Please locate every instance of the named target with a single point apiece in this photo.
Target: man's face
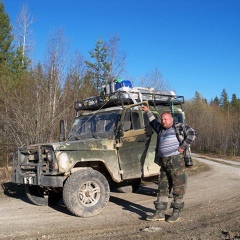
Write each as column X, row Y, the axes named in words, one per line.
column 167, row 120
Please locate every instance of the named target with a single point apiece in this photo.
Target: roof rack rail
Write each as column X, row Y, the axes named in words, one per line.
column 128, row 96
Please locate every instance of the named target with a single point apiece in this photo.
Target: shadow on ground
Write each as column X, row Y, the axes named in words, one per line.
column 13, row 190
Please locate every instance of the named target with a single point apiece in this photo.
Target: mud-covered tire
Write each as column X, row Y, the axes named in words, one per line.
column 41, row 196
column 86, row 193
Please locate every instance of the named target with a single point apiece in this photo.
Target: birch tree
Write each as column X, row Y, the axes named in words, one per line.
column 155, row 80
column 24, row 31
column 52, row 80
column 116, row 58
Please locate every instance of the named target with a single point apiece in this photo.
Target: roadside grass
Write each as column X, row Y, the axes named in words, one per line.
column 198, row 167
column 217, row 156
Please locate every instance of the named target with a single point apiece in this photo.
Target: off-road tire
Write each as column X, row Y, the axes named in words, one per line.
column 86, row 192
column 41, row 196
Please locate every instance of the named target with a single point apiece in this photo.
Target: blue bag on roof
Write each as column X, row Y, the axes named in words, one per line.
column 123, row 83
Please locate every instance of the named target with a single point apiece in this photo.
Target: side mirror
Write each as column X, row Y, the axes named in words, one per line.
column 62, row 131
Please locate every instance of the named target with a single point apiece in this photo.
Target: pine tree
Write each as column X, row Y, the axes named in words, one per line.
column 235, row 102
column 99, row 70
column 215, row 102
column 198, row 98
column 224, row 102
column 20, row 62
column 6, row 37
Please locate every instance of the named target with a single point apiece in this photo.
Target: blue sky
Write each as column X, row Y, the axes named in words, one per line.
column 195, row 44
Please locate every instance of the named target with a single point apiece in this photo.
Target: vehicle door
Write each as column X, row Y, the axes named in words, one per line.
column 135, row 145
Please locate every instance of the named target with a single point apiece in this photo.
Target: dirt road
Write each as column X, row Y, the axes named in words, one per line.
column 212, row 211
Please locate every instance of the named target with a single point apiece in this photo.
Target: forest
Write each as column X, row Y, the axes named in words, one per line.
column 35, row 96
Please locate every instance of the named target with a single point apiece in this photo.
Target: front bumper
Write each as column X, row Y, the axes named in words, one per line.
column 46, row 181
column 32, row 166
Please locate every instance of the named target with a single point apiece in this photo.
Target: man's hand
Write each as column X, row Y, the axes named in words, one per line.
column 145, row 108
column 180, row 150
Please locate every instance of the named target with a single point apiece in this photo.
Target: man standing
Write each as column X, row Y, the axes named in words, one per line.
column 173, row 145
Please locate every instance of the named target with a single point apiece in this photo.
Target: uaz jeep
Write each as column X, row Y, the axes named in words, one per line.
column 111, row 144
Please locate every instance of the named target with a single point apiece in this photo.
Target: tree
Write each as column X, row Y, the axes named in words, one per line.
column 50, row 82
column 235, row 102
column 99, row 70
column 77, row 87
column 224, row 102
column 20, row 62
column 198, row 97
column 24, row 30
column 215, row 102
column 6, row 37
column 116, row 58
column 155, row 80
column 23, row 34
column 6, row 56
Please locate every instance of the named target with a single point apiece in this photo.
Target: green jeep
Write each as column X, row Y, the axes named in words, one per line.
column 108, row 147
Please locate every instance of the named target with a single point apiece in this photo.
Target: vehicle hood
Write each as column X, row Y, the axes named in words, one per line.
column 90, row 144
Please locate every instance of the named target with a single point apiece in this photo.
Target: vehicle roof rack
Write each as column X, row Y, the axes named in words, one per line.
column 127, row 96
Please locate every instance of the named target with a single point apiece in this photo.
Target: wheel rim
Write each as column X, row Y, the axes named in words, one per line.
column 89, row 193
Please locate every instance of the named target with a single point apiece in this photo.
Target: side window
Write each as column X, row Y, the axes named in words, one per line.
column 133, row 120
column 111, row 122
column 85, row 129
column 136, row 120
column 100, row 125
column 145, row 118
column 127, row 121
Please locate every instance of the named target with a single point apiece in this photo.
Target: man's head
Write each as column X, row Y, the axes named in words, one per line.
column 167, row 119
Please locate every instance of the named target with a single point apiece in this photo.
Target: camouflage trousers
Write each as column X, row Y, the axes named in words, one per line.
column 173, row 177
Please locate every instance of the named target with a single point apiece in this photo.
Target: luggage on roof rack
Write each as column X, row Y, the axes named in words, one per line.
column 90, row 103
column 126, row 96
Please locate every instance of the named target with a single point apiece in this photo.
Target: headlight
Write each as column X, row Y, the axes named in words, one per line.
column 64, row 162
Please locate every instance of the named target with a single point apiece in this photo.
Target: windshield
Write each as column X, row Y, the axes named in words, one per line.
column 100, row 125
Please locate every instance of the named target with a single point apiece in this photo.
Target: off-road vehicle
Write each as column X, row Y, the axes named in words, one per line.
column 110, row 145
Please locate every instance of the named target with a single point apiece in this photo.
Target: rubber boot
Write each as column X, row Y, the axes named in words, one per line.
column 177, row 207
column 159, row 213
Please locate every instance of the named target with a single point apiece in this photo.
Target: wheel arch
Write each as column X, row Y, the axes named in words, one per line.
column 100, row 166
